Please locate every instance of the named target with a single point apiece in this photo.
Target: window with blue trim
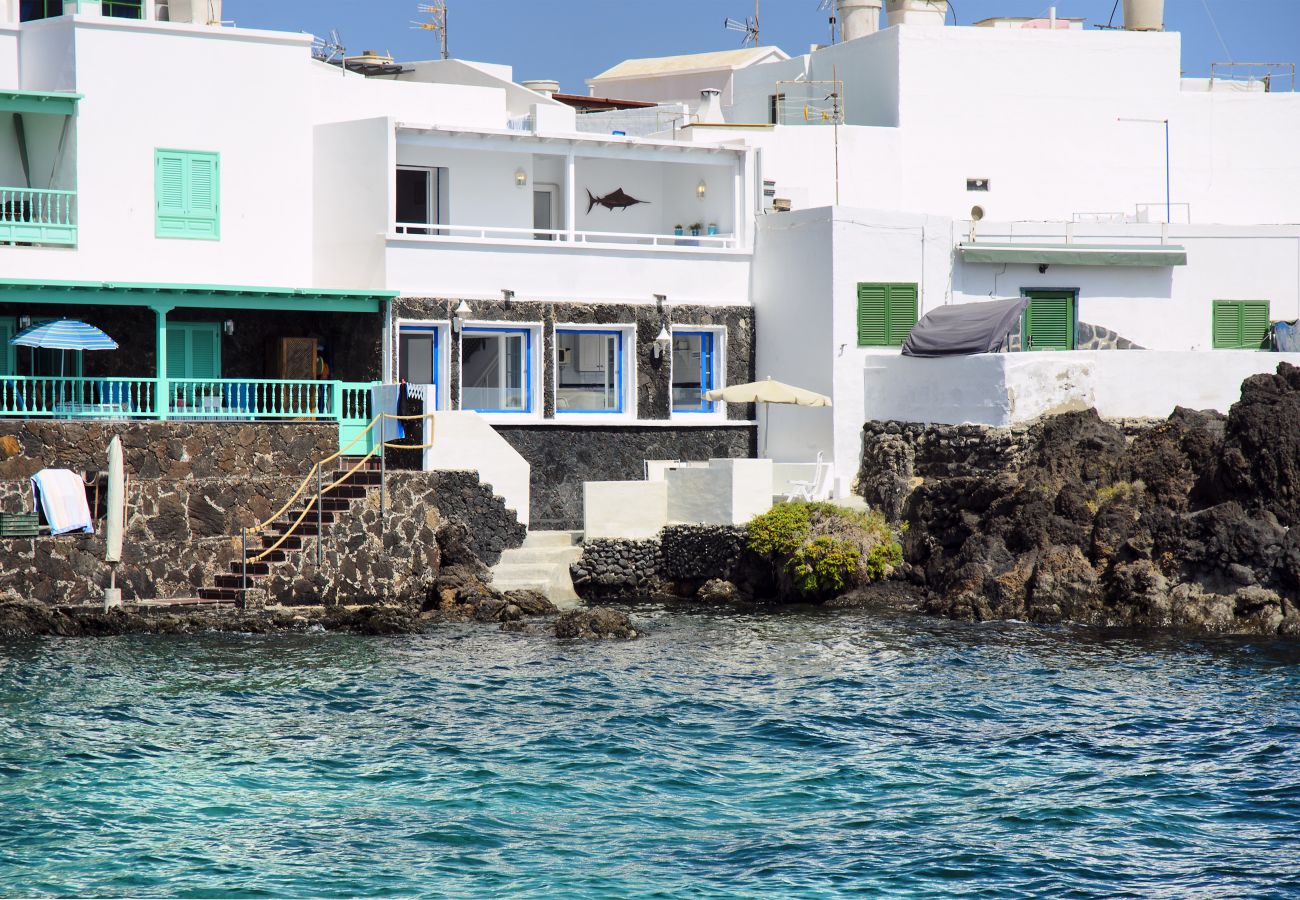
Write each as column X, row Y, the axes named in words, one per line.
column 419, row 355
column 694, row 371
column 496, row 370
column 588, row 371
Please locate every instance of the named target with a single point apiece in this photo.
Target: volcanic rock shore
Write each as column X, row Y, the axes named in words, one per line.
column 1185, row 523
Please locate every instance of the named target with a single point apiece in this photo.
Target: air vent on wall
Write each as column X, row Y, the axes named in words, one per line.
column 977, row 184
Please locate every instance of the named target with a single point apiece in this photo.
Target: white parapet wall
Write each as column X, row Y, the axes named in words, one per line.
column 462, row 440
column 1008, row 389
column 624, row 510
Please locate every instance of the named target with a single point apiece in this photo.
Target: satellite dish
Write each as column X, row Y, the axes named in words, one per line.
column 976, row 213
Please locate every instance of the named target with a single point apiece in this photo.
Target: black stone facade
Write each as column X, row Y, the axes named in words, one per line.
column 653, row 386
column 564, row 457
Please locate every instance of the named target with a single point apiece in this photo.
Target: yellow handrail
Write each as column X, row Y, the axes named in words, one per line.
column 316, row 468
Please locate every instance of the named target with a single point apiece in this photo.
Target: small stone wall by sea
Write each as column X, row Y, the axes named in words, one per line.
column 682, row 558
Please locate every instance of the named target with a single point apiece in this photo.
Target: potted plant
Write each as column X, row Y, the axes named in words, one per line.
column 695, row 229
column 713, row 228
column 677, row 230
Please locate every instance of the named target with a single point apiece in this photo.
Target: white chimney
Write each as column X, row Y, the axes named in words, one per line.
column 858, row 18
column 710, row 107
column 1144, row 15
column 916, row 12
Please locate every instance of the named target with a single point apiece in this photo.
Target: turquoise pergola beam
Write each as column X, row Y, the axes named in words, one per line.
column 53, row 103
column 192, row 296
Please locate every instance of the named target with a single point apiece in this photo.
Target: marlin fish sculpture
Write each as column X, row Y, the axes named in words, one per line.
column 618, row 199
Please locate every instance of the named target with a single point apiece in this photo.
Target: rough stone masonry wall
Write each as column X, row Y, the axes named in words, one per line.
column 677, row 562
column 192, row 486
column 563, row 458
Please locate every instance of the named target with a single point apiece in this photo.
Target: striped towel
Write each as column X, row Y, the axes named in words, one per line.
column 62, row 495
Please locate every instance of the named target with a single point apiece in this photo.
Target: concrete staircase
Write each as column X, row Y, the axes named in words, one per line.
column 541, row 564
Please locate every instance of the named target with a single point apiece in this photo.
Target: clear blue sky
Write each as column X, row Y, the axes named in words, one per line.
column 571, row 40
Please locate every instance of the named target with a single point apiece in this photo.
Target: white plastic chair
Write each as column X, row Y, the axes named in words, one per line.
column 814, row 489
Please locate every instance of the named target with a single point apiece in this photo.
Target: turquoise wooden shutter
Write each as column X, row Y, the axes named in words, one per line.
column 203, row 213
column 178, row 351
column 903, row 309
column 187, row 193
column 205, row 351
column 873, row 321
column 7, row 330
column 1049, row 322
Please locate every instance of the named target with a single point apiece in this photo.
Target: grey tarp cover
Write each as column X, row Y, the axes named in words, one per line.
column 965, row 328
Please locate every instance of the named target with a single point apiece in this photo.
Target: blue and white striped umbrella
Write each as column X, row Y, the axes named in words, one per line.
column 64, row 334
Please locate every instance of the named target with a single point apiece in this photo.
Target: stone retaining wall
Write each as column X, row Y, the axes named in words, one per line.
column 682, row 558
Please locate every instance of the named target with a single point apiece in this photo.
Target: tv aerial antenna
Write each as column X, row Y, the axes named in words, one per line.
column 328, row 50
column 436, row 10
column 829, row 5
column 748, row 27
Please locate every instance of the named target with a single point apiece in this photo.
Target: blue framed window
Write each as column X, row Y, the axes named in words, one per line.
column 694, row 371
column 588, row 371
column 419, row 356
column 496, row 370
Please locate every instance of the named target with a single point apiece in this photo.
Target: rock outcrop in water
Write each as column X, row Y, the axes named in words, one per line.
column 1186, row 523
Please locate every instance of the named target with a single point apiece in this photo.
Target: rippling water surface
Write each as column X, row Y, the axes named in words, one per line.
column 721, row 756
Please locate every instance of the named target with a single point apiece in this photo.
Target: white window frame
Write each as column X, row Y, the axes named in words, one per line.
column 443, row 362
column 628, row 374
column 533, row 360
column 719, row 413
column 437, row 201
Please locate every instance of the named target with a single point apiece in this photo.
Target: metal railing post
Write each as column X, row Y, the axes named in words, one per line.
column 243, row 559
column 383, row 470
column 320, row 524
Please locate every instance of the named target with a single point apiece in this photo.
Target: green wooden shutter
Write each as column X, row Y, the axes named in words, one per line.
column 886, row 313
column 187, row 194
column 178, row 351
column 903, row 309
column 873, row 322
column 1049, row 322
column 1239, row 324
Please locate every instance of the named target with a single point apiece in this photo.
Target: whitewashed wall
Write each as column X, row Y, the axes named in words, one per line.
column 1011, row 389
column 351, row 178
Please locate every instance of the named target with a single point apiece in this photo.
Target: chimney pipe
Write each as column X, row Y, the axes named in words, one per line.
column 710, row 112
column 858, row 18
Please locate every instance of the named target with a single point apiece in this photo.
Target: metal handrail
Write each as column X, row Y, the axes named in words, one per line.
column 406, row 230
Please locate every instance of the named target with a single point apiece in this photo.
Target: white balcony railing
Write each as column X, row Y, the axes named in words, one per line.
column 556, row 235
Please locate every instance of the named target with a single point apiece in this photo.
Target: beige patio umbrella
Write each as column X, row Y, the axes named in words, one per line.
column 115, row 520
column 767, row 392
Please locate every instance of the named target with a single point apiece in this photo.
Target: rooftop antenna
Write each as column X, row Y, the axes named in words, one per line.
column 437, row 21
column 749, row 27
column 328, row 50
column 825, row 5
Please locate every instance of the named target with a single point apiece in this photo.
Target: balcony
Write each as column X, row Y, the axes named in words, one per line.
column 31, row 216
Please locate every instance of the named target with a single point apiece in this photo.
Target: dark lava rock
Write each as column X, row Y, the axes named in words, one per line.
column 1186, row 523
column 532, row 603
column 715, row 590
column 599, row 623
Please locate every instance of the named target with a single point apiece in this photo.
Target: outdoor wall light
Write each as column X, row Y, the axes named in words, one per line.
column 521, row 178
column 228, row 327
column 507, row 294
column 458, row 317
column 663, row 341
column 701, row 189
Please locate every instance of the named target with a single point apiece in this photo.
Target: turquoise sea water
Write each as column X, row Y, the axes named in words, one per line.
column 724, row 755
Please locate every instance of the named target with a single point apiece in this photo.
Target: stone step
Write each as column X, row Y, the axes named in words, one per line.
column 537, row 539
column 552, row 579
column 526, row 555
column 219, row 595
column 293, row 542
column 235, row 582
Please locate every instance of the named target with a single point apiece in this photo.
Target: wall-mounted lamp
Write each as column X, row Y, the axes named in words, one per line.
column 459, row 316
column 702, row 189
column 24, row 322
column 507, row 294
column 663, row 342
column 660, row 300
column 228, row 327
column 521, row 178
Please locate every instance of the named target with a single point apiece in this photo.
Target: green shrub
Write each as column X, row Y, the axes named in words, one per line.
column 820, row 549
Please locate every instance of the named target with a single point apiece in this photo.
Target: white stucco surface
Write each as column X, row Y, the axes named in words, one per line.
column 624, row 510
column 1010, row 389
column 464, row 441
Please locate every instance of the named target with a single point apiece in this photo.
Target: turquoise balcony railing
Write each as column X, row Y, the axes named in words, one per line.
column 31, row 216
column 224, row 399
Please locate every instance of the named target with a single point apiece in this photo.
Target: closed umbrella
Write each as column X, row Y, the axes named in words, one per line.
column 115, row 520
column 768, row 391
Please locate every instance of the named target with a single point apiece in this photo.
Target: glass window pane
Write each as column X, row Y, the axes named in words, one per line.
column 589, row 375
column 693, row 371
column 494, row 372
column 413, row 199
column 416, row 357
